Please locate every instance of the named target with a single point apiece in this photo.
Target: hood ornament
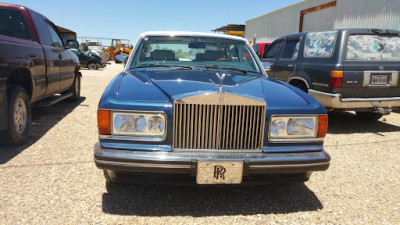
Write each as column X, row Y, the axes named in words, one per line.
column 221, row 77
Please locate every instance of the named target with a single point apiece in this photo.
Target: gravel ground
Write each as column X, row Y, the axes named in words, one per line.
column 53, row 179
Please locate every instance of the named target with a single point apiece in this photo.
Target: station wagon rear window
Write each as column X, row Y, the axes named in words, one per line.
column 373, row 47
column 320, row 44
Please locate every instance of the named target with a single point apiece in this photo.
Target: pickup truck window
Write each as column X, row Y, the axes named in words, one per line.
column 42, row 29
column 320, row 44
column 373, row 47
column 291, row 49
column 57, row 42
column 13, row 24
column 266, row 46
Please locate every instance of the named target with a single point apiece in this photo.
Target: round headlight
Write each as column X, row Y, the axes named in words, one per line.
column 155, row 124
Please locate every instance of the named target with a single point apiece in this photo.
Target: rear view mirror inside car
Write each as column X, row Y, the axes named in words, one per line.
column 197, row 45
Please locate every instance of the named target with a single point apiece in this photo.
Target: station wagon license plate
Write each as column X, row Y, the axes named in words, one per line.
column 379, row 79
column 219, row 172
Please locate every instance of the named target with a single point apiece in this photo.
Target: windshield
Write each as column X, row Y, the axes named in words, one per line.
column 194, row 51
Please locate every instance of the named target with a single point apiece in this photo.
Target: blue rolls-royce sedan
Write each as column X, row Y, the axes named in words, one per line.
column 198, row 108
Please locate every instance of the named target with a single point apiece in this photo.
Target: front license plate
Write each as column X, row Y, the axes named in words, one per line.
column 219, row 172
column 379, row 79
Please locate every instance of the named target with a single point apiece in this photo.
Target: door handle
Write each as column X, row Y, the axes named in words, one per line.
column 59, row 56
column 290, row 65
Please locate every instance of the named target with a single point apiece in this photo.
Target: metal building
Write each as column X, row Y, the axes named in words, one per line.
column 318, row 15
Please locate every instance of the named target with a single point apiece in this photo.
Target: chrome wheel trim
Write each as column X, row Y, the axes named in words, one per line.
column 20, row 116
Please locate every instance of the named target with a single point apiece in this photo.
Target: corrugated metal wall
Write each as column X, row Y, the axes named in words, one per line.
column 281, row 22
column 383, row 14
column 320, row 20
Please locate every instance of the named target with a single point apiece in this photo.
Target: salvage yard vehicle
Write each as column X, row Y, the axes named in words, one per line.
column 35, row 67
column 260, row 48
column 346, row 69
column 90, row 61
column 199, row 108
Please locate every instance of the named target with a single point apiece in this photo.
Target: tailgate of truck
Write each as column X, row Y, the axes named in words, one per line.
column 371, row 66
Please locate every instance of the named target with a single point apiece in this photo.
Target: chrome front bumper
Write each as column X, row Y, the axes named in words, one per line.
column 336, row 101
column 186, row 162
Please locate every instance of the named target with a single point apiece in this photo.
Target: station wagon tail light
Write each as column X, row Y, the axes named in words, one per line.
column 297, row 128
column 336, row 78
column 104, row 121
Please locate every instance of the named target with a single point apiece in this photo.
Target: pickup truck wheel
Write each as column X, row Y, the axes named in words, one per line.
column 76, row 88
column 369, row 116
column 92, row 66
column 19, row 116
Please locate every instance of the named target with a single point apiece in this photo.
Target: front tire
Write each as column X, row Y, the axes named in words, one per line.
column 76, row 87
column 93, row 66
column 19, row 116
column 369, row 116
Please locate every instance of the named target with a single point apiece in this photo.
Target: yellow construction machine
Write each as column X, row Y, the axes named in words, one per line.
column 118, row 48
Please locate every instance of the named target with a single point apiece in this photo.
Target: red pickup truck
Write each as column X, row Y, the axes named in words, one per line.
column 260, row 48
column 35, row 67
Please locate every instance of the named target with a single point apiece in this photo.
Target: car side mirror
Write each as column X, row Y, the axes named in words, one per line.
column 267, row 66
column 72, row 44
column 125, row 61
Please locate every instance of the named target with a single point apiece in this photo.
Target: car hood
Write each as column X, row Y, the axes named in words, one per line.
column 166, row 85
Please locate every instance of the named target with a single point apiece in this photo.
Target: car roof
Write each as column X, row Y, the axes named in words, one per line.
column 10, row 6
column 189, row 33
column 361, row 30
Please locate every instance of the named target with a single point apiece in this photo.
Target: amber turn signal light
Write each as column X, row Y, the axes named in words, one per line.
column 322, row 126
column 104, row 121
column 336, row 78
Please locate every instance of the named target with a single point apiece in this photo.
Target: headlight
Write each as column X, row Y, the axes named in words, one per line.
column 137, row 124
column 297, row 128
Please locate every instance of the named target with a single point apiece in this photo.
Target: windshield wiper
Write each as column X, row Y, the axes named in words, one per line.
column 211, row 66
column 161, row 65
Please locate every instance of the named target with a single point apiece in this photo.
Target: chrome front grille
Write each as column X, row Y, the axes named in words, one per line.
column 219, row 122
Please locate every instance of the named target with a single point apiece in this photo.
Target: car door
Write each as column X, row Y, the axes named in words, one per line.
column 270, row 57
column 286, row 63
column 51, row 53
column 66, row 64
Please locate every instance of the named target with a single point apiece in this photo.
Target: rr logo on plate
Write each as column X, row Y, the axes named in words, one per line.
column 219, row 172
